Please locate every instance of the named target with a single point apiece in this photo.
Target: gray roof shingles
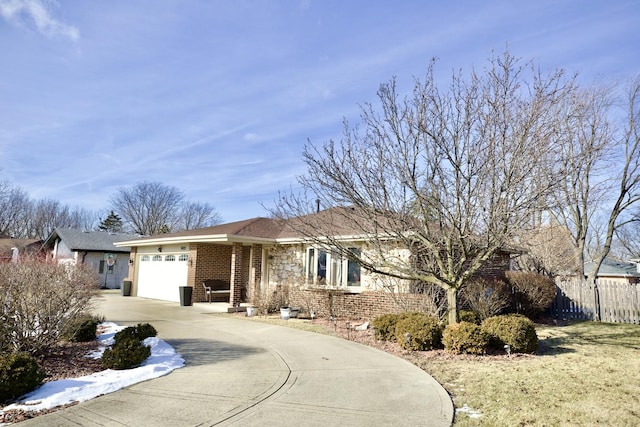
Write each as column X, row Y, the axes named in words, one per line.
column 95, row 241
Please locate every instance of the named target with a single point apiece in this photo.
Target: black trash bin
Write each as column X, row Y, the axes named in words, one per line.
column 185, row 295
column 126, row 288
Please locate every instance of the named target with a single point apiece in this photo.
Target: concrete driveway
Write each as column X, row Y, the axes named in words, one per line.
column 239, row 372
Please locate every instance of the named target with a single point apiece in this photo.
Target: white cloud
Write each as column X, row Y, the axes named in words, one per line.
column 17, row 11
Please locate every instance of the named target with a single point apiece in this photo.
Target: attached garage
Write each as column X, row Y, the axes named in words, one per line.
column 234, row 253
column 160, row 275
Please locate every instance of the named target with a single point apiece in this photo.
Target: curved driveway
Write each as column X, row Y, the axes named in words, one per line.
column 246, row 373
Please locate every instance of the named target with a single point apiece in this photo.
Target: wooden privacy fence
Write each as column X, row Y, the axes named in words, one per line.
column 611, row 301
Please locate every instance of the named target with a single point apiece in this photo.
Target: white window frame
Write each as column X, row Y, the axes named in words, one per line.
column 336, row 271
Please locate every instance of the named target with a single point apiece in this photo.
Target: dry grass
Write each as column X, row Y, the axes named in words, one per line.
column 585, row 374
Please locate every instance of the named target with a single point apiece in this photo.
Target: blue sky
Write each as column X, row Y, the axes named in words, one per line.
column 218, row 98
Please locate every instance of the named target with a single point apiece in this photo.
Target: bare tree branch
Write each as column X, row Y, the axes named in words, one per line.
column 450, row 174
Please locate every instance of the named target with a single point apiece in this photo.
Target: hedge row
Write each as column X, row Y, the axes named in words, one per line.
column 512, row 333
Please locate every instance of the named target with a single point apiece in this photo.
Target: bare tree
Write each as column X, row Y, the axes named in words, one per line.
column 148, row 207
column 602, row 159
column 84, row 219
column 628, row 238
column 585, row 136
column 198, row 215
column 451, row 174
column 549, row 250
column 14, row 202
column 46, row 214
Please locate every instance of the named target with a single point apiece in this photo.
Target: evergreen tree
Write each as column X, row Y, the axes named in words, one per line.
column 112, row 223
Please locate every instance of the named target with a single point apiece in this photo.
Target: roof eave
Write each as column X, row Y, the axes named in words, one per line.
column 213, row 238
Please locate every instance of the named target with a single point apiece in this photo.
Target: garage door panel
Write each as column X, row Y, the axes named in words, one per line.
column 161, row 279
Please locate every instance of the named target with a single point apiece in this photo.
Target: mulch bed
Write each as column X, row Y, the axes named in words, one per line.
column 67, row 360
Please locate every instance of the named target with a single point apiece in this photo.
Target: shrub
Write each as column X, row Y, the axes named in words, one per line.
column 385, row 326
column 19, row 374
column 39, row 298
column 127, row 352
column 469, row 316
column 418, row 331
column 145, row 330
column 139, row 332
column 533, row 292
column 81, row 329
column 486, row 297
column 514, row 330
column 465, row 338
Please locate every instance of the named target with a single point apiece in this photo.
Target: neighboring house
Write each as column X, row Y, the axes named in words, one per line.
column 12, row 249
column 92, row 248
column 259, row 256
column 614, row 270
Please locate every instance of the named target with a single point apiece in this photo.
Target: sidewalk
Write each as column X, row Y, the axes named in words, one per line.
column 248, row 373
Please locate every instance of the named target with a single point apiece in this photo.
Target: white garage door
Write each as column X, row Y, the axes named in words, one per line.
column 160, row 276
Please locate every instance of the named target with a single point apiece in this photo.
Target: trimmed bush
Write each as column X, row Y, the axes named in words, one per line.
column 469, row 316
column 145, row 330
column 385, row 325
column 140, row 332
column 533, row 293
column 82, row 329
column 126, row 353
column 514, row 330
column 418, row 331
column 486, row 297
column 465, row 338
column 19, row 374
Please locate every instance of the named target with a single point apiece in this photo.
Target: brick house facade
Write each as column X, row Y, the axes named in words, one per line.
column 259, row 261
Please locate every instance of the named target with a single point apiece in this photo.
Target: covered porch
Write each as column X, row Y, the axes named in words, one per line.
column 238, row 264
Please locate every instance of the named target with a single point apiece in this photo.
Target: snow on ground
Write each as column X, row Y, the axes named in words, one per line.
column 466, row 409
column 162, row 361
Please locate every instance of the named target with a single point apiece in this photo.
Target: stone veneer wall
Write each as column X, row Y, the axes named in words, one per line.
column 286, row 265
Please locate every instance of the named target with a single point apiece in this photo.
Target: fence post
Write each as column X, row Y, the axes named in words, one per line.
column 596, row 300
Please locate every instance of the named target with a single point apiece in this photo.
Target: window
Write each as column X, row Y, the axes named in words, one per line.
column 353, row 269
column 170, row 258
column 157, row 258
column 183, row 257
column 108, row 264
column 145, row 258
column 328, row 267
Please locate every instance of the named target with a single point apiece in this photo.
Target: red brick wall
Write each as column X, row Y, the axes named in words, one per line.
column 236, row 273
column 366, row 305
column 210, row 262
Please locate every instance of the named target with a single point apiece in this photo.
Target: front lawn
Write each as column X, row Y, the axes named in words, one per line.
column 585, row 374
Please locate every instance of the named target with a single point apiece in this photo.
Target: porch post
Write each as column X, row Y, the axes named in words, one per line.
column 256, row 270
column 236, row 275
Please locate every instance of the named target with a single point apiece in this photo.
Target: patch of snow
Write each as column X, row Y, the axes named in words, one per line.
column 471, row 413
column 162, row 361
column 363, row 327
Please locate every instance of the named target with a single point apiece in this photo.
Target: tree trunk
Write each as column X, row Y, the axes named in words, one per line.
column 452, row 305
